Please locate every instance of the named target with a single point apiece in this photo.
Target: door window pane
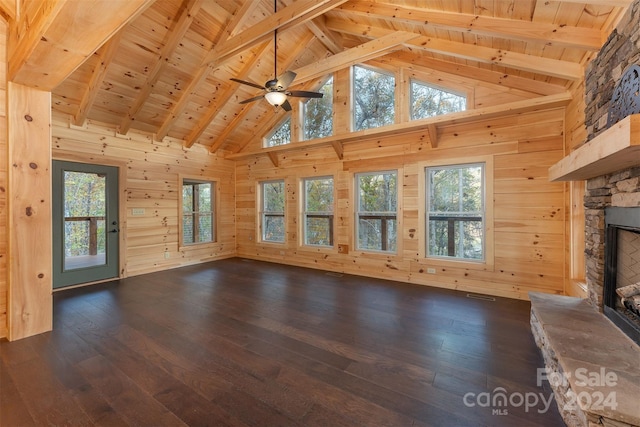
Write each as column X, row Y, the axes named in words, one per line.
column 377, row 200
column 84, row 220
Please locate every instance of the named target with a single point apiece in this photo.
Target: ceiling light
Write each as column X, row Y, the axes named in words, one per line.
column 276, row 98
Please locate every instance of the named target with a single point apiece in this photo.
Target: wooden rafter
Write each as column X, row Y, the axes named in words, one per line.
column 512, row 29
column 520, row 61
column 188, row 11
column 297, row 13
column 412, row 59
column 228, row 93
column 328, row 38
column 203, row 71
column 45, row 49
column 364, row 52
column 106, row 54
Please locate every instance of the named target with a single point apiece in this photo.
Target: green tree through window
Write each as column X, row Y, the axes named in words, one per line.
column 428, row 101
column 455, row 211
column 373, row 98
column 272, row 212
column 84, row 198
column 318, row 113
column 377, row 205
column 318, row 211
column 197, row 212
column 281, row 135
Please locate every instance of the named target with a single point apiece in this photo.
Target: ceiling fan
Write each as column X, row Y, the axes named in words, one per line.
column 276, row 92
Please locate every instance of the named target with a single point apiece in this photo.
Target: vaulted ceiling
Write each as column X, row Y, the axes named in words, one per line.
column 167, row 68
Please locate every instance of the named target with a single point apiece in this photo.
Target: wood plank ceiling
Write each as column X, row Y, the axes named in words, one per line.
column 167, row 70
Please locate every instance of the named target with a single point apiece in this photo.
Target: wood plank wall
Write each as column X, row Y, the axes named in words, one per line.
column 527, row 214
column 152, row 174
column 3, row 180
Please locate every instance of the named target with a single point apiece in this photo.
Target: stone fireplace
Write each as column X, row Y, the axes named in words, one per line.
column 596, row 335
column 618, row 62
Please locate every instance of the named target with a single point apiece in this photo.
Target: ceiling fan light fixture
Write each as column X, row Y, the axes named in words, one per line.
column 275, row 98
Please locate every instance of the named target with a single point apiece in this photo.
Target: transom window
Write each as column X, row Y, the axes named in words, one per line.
column 198, row 202
column 377, row 206
column 429, row 101
column 456, row 212
column 281, row 135
column 318, row 113
column 272, row 211
column 373, row 98
column 318, row 211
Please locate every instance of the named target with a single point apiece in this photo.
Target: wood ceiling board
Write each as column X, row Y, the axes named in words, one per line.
column 53, row 49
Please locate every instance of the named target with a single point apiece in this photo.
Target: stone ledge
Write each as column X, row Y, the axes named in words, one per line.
column 574, row 337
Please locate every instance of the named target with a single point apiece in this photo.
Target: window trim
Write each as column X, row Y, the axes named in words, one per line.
column 357, row 211
column 261, row 212
column 489, row 258
column 182, row 180
column 328, row 214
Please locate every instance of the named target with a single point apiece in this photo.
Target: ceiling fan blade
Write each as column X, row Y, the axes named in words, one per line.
column 305, row 94
column 286, row 106
column 285, row 79
column 255, row 98
column 248, row 83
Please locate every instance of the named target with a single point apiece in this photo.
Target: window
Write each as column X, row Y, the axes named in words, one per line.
column 377, row 205
column 198, row 202
column 428, row 101
column 281, row 135
column 318, row 211
column 318, row 113
column 373, row 98
column 455, row 211
column 272, row 214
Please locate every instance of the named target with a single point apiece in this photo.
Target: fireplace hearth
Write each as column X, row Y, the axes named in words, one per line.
column 622, row 268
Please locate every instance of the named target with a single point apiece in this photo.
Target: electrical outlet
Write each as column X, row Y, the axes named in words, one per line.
column 137, row 211
column 166, row 255
column 431, row 270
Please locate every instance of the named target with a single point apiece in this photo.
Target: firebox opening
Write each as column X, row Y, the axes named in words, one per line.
column 622, row 269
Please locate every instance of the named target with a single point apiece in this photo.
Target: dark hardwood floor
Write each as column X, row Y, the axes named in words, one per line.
column 247, row 343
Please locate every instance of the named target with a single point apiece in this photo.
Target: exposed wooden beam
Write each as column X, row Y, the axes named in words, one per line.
column 227, row 94
column 520, row 61
column 611, row 3
column 512, row 29
column 106, row 54
column 328, row 38
column 204, row 70
column 414, row 59
column 296, row 13
column 9, row 9
column 46, row 48
column 185, row 17
column 364, row 52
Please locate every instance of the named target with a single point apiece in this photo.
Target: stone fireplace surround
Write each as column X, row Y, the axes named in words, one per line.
column 573, row 333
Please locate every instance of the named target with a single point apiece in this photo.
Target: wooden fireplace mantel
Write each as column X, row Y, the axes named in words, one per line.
column 614, row 149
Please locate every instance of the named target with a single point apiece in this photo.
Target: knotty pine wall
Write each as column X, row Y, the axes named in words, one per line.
column 3, row 180
column 152, row 172
column 526, row 213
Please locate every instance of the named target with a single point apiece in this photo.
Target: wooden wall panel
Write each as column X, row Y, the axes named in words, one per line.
column 529, row 212
column 3, row 180
column 30, row 305
column 153, row 170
